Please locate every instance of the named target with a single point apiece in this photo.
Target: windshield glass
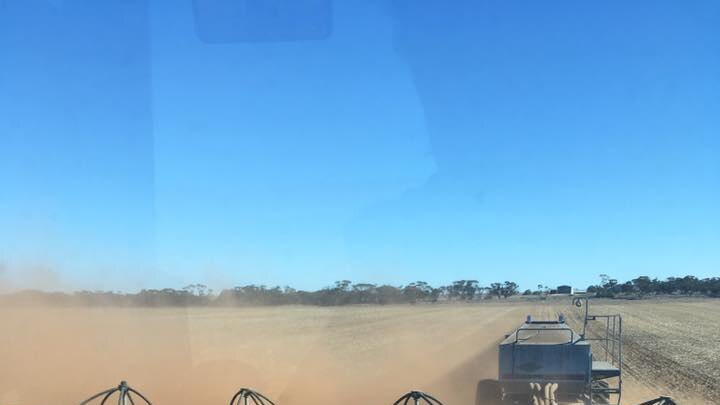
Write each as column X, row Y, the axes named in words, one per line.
column 338, row 201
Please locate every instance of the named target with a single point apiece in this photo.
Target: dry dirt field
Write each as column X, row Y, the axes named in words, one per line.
column 671, row 346
column 323, row 356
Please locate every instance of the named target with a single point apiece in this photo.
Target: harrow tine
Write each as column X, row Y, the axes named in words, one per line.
column 263, row 397
column 108, row 392
column 105, row 398
column 256, row 397
column 660, row 401
column 431, row 399
column 417, row 397
column 140, row 395
column 123, row 390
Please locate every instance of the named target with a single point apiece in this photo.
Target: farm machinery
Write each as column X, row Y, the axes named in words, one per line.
column 542, row 362
column 546, row 362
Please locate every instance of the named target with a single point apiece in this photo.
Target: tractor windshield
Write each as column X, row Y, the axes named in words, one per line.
column 332, row 202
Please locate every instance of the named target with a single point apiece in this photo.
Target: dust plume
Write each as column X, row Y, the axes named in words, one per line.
column 34, row 275
column 295, row 355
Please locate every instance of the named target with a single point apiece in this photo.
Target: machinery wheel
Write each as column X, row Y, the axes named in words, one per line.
column 601, row 398
column 488, row 393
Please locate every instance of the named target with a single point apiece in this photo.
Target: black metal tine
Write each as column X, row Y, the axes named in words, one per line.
column 437, row 401
column 240, row 395
column 237, row 394
column 140, row 395
column 264, row 398
column 254, row 398
column 124, row 392
column 108, row 396
column 97, row 395
column 418, row 397
column 258, row 398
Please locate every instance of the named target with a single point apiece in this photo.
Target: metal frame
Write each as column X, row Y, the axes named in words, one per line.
column 245, row 395
column 418, row 397
column 523, row 329
column 124, row 395
column 660, row 401
column 242, row 396
column 610, row 341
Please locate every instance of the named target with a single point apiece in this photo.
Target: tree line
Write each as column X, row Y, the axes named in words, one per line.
column 645, row 286
column 345, row 292
column 342, row 292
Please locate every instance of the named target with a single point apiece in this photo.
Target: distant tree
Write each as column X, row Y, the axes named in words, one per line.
column 689, row 284
column 435, row 294
column 626, row 287
column 496, row 289
column 607, row 288
column 197, row 290
column 509, row 289
column 343, row 285
column 644, row 285
column 469, row 290
column 455, row 290
column 364, row 293
column 418, row 291
column 388, row 295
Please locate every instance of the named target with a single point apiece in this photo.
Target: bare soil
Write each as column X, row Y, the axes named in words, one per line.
column 671, row 346
column 323, row 356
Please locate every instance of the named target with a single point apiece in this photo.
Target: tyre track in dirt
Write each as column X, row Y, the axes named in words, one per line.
column 669, row 347
column 669, row 376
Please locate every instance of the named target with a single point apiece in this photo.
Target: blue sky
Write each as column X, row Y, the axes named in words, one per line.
column 158, row 144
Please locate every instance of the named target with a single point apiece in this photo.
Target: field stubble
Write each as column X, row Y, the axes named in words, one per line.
column 671, row 346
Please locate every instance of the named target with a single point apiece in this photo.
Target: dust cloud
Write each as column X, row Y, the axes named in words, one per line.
column 294, row 355
column 31, row 275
